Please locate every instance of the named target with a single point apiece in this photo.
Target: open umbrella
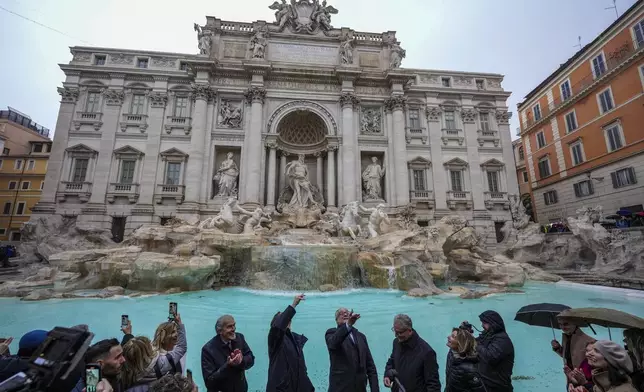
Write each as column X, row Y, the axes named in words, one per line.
column 609, row 318
column 624, row 213
column 541, row 315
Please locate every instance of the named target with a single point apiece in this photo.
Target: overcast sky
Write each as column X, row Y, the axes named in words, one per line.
column 524, row 40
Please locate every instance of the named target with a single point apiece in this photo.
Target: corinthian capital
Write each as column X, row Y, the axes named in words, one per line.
column 349, row 99
column 396, row 102
column 468, row 115
column 68, row 94
column 255, row 94
column 114, row 97
column 202, row 91
column 503, row 117
column 158, row 100
column 433, row 113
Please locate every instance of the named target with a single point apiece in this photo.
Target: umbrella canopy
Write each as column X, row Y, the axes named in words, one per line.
column 605, row 317
column 540, row 315
column 624, row 213
column 614, row 216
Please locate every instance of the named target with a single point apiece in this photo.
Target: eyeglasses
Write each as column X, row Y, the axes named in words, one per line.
column 398, row 333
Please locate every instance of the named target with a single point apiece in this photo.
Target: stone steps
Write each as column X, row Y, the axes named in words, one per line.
column 600, row 279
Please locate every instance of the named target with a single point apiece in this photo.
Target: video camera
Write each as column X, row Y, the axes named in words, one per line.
column 53, row 362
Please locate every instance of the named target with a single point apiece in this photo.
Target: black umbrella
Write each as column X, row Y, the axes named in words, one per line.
column 541, row 315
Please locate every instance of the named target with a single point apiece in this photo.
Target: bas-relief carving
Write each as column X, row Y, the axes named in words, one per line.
column 235, row 49
column 225, row 178
column 369, row 59
column 372, row 181
column 166, row 62
column 491, row 83
column 429, row 79
column 299, row 53
column 204, row 40
column 82, row 57
column 121, row 59
column 371, row 120
column 305, row 86
column 230, row 114
column 463, row 81
column 303, row 16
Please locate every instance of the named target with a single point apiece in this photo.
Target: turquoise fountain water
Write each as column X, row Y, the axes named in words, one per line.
column 433, row 319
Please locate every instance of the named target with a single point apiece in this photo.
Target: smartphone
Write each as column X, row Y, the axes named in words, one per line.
column 173, row 309
column 125, row 320
column 92, row 376
column 189, row 376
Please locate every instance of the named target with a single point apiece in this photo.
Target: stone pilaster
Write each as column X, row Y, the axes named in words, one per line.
column 468, row 116
column 503, row 122
column 330, row 175
column 199, row 142
column 253, row 146
column 350, row 187
column 319, row 170
column 272, row 163
column 396, row 105
column 158, row 102
column 440, row 182
column 282, row 170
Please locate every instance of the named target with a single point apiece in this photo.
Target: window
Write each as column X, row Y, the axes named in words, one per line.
column 31, row 164
column 566, row 92
column 571, row 121
column 15, row 236
column 605, row 99
column 5, row 151
column 3, row 231
column 521, row 153
column 80, row 169
column 599, row 65
column 447, row 82
column 414, row 118
column 419, row 180
column 42, row 185
column 457, row 180
column 26, row 185
column 181, row 107
column 13, row 185
column 173, row 173
column 480, row 84
column 493, row 181
column 536, row 110
column 17, row 165
column 7, row 208
column 614, row 137
column 583, row 188
column 550, row 197
column 20, row 208
column 99, row 60
column 127, row 172
column 623, row 177
column 450, row 119
column 577, row 152
column 525, row 176
column 92, row 102
column 484, row 118
column 0, row 163
column 541, row 140
column 138, row 100
column 544, row 167
column 38, row 147
column 638, row 29
column 142, row 63
column 183, row 66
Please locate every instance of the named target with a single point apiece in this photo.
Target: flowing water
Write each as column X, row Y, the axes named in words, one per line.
column 434, row 317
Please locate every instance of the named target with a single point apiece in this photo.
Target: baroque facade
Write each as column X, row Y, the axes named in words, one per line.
column 144, row 136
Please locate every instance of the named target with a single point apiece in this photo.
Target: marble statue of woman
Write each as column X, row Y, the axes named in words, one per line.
column 204, row 39
column 397, row 55
column 298, row 178
column 346, row 50
column 258, row 44
column 371, row 178
column 226, row 177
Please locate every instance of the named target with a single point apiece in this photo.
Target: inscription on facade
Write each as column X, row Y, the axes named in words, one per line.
column 235, row 50
column 294, row 53
column 224, row 81
column 369, row 59
column 295, row 85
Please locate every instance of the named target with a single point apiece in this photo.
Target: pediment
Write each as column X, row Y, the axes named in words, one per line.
column 493, row 162
column 457, row 162
column 174, row 152
column 81, row 149
column 128, row 150
column 419, row 162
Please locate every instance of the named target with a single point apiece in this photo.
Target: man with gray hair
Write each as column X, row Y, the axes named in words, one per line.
column 225, row 358
column 412, row 363
column 352, row 365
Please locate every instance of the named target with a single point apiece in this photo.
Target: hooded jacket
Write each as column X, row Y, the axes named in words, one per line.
column 496, row 354
column 463, row 375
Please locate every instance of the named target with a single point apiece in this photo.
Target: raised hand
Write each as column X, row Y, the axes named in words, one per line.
column 578, row 376
column 353, row 317
column 127, row 329
column 298, row 298
column 177, row 318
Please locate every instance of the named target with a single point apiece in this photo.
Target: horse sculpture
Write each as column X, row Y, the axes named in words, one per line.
column 350, row 223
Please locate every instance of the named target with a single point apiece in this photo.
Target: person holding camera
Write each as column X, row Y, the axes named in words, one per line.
column 226, row 358
column 412, row 365
column 286, row 365
column 462, row 374
column 352, row 365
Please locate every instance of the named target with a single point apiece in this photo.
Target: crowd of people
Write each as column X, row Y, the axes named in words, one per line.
column 477, row 364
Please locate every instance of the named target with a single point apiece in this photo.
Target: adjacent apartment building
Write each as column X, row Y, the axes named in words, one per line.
column 582, row 128
column 23, row 165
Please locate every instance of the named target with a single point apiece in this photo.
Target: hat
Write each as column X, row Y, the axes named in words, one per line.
column 615, row 355
column 31, row 340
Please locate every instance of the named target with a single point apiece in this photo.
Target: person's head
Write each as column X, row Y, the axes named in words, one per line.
column 567, row 327
column 300, row 158
column 230, row 155
column 342, row 316
column 30, row 341
column 108, row 354
column 491, row 321
column 609, row 356
column 138, row 353
column 463, row 343
column 451, row 337
column 403, row 327
column 225, row 327
column 166, row 336
column 374, row 159
column 634, row 339
column 172, row 383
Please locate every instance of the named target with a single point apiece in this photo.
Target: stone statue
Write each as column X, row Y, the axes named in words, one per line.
column 371, row 120
column 346, row 50
column 205, row 40
column 223, row 221
column 350, row 224
column 226, row 177
column 255, row 219
column 230, row 116
column 322, row 14
column 397, row 55
column 298, row 178
column 371, row 178
column 375, row 219
column 258, row 44
column 283, row 13
column 519, row 216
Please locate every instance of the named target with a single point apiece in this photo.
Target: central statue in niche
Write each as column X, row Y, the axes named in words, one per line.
column 298, row 178
column 300, row 199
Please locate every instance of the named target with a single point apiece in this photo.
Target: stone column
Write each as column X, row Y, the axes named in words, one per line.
column 503, row 122
column 69, row 97
column 158, row 101
column 282, row 170
column 396, row 104
column 318, row 171
column 440, row 184
column 198, row 145
column 468, row 115
column 270, row 185
column 253, row 146
column 330, row 176
column 349, row 101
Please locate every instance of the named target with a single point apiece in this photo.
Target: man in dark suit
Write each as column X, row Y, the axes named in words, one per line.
column 352, row 365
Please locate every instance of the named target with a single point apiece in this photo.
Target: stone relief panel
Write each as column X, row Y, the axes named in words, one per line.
column 463, row 81
column 121, row 59
column 307, row 54
column 235, row 50
column 82, row 57
column 165, row 62
column 371, row 120
column 429, row 79
column 231, row 113
column 369, row 59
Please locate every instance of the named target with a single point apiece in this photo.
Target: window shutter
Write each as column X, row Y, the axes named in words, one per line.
column 613, row 177
column 554, row 196
column 591, row 190
column 577, row 191
column 631, row 174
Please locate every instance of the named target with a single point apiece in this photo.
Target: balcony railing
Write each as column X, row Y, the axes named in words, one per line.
column 88, row 118
column 26, row 122
column 131, row 191
column 453, row 134
column 492, row 198
column 82, row 190
column 488, row 135
column 463, row 198
column 184, row 123
column 421, row 195
column 170, row 191
column 627, row 51
column 416, row 133
column 134, row 120
column 458, row 195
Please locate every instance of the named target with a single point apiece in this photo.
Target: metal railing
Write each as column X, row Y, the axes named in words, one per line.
column 26, row 122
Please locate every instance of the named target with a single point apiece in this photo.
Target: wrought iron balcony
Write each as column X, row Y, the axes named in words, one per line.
column 170, row 191
column 131, row 191
column 94, row 119
column 82, row 190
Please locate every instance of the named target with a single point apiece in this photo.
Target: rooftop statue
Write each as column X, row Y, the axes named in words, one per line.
column 308, row 16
